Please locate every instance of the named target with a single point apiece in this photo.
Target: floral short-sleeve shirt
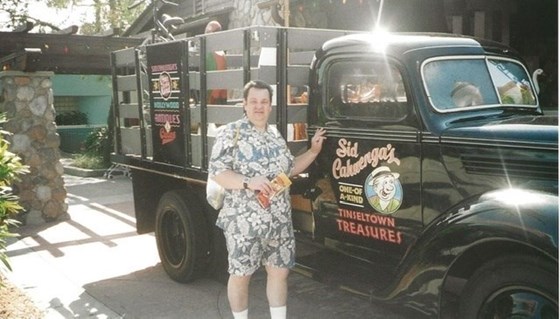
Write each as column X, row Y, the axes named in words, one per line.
column 254, row 154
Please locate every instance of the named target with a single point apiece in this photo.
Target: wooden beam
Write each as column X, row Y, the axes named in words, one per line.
column 73, row 29
column 109, row 32
column 75, row 64
column 57, row 43
column 267, row 4
column 63, row 54
column 24, row 60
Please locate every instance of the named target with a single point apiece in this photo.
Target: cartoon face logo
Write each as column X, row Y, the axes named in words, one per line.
column 165, row 85
column 384, row 190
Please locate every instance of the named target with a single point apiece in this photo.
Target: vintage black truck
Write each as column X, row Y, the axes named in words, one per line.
column 437, row 187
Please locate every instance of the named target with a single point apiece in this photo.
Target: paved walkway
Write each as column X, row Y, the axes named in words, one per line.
column 95, row 265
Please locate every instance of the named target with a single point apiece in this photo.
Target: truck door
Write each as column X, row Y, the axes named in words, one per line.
column 368, row 199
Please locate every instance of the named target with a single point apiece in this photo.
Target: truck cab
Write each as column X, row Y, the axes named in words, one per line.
column 437, row 185
column 432, row 142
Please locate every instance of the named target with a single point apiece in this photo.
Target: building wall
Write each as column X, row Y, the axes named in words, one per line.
column 92, row 94
column 529, row 26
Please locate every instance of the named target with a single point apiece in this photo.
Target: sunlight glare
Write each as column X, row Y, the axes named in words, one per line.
column 379, row 39
column 517, row 197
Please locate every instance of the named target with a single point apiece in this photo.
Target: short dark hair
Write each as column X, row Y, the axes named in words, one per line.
column 257, row 84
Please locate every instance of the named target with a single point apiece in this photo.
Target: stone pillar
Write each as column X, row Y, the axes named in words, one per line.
column 28, row 105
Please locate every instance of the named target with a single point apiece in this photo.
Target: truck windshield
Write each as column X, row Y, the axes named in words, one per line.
column 457, row 84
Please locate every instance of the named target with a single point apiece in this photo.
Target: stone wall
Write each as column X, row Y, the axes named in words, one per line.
column 27, row 101
column 248, row 14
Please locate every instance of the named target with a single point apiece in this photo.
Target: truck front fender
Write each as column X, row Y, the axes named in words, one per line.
column 493, row 224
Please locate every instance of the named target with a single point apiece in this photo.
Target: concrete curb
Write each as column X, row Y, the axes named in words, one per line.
column 83, row 172
column 69, row 169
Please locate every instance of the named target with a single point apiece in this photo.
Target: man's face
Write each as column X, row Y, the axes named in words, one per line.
column 258, row 107
column 384, row 186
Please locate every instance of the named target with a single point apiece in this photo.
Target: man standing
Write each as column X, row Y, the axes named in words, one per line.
column 257, row 235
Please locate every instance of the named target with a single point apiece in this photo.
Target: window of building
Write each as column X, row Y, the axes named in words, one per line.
column 68, row 111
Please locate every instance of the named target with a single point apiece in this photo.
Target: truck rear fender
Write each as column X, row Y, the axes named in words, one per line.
column 148, row 187
column 470, row 234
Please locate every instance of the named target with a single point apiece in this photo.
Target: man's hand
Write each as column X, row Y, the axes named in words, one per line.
column 317, row 140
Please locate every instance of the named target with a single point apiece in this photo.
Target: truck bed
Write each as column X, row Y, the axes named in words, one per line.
column 279, row 56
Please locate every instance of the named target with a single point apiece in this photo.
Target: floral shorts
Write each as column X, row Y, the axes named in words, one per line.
column 247, row 254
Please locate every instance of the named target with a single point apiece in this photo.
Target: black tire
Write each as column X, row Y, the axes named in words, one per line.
column 181, row 236
column 502, row 287
column 218, row 264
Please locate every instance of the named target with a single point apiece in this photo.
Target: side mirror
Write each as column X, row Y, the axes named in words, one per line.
column 535, row 76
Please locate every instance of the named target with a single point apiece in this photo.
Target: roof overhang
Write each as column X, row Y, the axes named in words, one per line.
column 60, row 53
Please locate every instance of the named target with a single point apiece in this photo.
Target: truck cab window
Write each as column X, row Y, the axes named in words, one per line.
column 365, row 90
column 512, row 82
column 456, row 84
column 459, row 84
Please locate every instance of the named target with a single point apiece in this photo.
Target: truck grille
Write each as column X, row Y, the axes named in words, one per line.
column 512, row 167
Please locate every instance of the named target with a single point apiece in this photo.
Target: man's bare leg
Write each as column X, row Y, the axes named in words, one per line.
column 238, row 293
column 277, row 291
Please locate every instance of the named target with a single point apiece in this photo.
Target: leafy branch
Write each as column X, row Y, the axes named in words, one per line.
column 11, row 168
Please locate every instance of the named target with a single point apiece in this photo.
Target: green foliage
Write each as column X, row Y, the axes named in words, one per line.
column 97, row 148
column 71, row 118
column 96, row 141
column 89, row 161
column 16, row 10
column 61, row 4
column 10, row 169
column 108, row 14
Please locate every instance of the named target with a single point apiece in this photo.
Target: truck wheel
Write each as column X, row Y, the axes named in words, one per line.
column 218, row 264
column 509, row 287
column 181, row 236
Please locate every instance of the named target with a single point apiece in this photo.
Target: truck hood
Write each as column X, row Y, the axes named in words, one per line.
column 534, row 130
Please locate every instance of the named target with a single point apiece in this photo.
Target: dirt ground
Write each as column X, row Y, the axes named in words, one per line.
column 15, row 304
